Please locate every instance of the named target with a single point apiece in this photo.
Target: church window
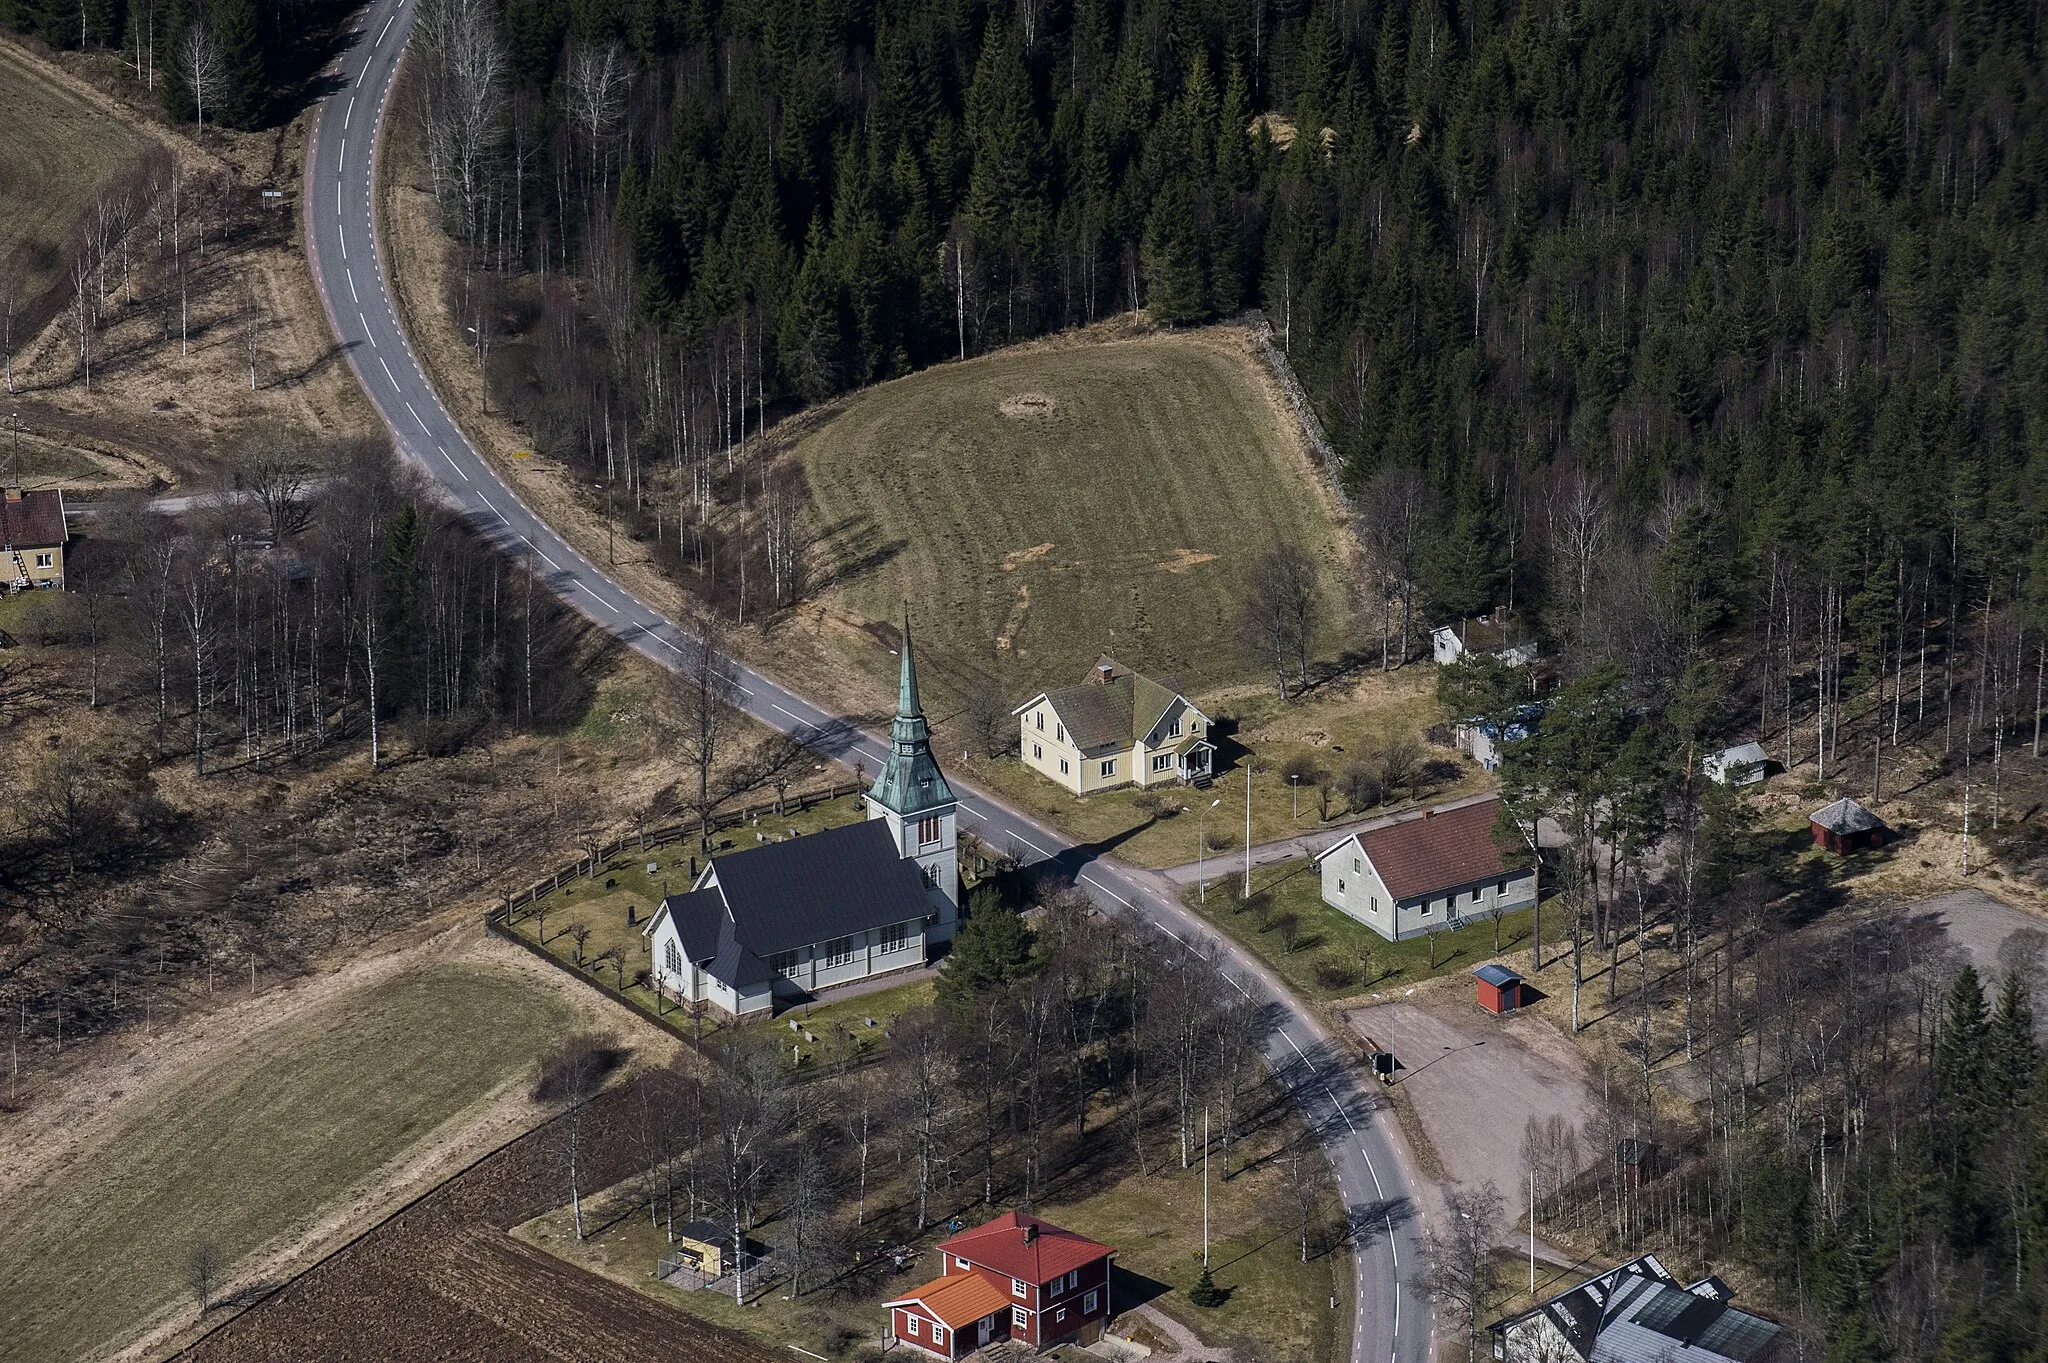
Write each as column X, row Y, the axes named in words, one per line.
column 931, row 877
column 928, row 830
column 895, row 937
column 672, row 957
column 783, row 962
column 838, row 951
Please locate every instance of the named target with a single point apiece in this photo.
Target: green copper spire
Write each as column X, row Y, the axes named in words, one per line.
column 906, row 684
column 910, row 782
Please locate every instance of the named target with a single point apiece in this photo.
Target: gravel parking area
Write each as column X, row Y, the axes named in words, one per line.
column 1475, row 1081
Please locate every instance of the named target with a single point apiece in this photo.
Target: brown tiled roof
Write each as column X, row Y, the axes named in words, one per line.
column 1438, row 851
column 1000, row 1246
column 958, row 1299
column 34, row 522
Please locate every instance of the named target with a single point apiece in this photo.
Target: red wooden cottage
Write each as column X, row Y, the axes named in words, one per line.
column 1846, row 826
column 1014, row 1278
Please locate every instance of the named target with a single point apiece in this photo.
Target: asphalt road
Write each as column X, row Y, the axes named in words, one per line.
column 1391, row 1323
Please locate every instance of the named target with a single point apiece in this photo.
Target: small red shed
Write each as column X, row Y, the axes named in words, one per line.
column 1500, row 989
column 1846, row 826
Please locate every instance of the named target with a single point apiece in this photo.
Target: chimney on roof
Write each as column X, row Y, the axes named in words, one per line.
column 1104, row 672
column 14, row 494
column 1429, row 814
column 1030, row 1232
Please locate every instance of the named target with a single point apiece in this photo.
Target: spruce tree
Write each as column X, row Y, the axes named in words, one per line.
column 245, row 87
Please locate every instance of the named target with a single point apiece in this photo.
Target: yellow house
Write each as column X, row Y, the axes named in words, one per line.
column 32, row 539
column 1117, row 728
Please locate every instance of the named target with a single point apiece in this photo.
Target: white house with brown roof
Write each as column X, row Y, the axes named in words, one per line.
column 1117, row 728
column 1441, row 868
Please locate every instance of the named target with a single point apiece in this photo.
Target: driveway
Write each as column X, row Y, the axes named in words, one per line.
column 1980, row 926
column 1475, row 1099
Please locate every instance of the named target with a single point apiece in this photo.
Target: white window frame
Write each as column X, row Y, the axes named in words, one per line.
column 1037, row 753
column 963, row 1264
column 1173, row 729
column 785, row 963
column 1108, row 766
column 1340, row 885
column 1088, row 1304
column 1040, row 716
column 895, row 937
column 1020, row 1319
column 838, row 952
column 1162, row 761
column 672, row 956
column 46, row 560
column 1059, row 733
column 1073, row 1279
column 1017, row 1288
column 936, row 824
column 938, row 1334
column 914, row 1319
column 1063, row 766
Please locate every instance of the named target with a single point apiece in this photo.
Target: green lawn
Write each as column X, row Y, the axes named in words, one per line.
column 1334, row 955
column 1278, row 1309
column 1124, row 518
column 601, row 902
column 251, row 1150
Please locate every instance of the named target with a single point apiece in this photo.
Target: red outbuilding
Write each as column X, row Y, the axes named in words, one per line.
column 1016, row 1277
column 1846, row 826
column 1500, row 989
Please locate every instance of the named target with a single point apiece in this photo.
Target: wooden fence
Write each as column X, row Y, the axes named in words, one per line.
column 650, row 838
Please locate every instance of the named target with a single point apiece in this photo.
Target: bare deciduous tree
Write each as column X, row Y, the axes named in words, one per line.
column 1458, row 1252
column 204, row 1268
column 1395, row 508
column 204, row 67
column 1282, row 608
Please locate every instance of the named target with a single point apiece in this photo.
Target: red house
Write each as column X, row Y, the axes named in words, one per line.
column 1014, row 1278
column 1845, row 826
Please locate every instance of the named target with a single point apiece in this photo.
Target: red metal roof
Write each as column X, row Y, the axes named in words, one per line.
column 958, row 1299
column 33, row 521
column 1439, row 851
column 1003, row 1246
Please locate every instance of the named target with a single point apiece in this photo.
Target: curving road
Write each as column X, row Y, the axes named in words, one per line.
column 1391, row 1323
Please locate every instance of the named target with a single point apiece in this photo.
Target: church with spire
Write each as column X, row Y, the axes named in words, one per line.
column 775, row 924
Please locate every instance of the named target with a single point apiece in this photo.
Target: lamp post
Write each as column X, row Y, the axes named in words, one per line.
column 1294, row 785
column 1247, row 830
column 1202, row 851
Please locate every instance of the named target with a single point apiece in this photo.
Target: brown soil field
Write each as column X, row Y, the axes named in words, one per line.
column 440, row 1280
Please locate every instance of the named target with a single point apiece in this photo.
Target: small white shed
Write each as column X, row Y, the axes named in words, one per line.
column 1745, row 764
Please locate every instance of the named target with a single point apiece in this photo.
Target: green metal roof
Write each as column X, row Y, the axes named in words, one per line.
column 910, row 782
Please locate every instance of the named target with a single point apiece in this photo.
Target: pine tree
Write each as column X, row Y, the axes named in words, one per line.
column 991, row 956
column 1205, row 1293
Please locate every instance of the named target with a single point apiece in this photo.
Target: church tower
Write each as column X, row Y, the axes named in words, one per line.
column 912, row 794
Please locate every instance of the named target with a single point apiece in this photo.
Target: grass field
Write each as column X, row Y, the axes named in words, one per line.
column 1041, row 506
column 58, row 153
column 1334, row 955
column 251, row 1151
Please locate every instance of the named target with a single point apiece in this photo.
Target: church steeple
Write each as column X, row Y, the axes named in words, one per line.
column 910, row 782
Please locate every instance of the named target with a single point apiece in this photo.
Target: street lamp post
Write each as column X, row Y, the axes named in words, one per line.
column 1202, row 851
column 1294, row 784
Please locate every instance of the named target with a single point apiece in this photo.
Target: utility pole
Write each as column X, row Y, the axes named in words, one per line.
column 1532, row 1233
column 1966, row 830
column 1247, row 829
column 1205, row 1185
column 1202, row 851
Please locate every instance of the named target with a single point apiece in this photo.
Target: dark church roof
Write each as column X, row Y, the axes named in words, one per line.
column 784, row 895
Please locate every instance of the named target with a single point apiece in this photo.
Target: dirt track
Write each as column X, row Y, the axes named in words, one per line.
column 441, row 1281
